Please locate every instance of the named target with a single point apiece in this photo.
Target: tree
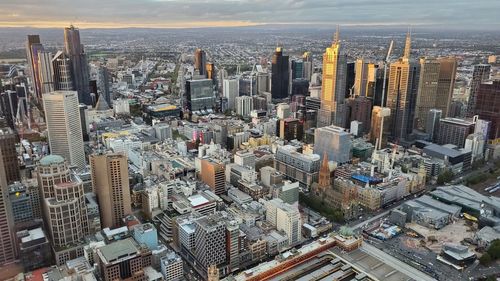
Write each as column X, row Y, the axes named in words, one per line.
column 494, row 249
column 485, row 259
column 445, row 177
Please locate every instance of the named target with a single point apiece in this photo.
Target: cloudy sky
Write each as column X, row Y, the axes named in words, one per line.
column 201, row 13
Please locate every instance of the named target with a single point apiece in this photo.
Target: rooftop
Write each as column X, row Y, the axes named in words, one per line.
column 51, row 159
column 118, row 250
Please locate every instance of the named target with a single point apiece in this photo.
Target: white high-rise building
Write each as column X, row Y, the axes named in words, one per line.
column 231, row 90
column 244, row 105
column 64, row 126
column 286, row 218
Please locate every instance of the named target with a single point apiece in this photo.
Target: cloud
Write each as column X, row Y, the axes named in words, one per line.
column 178, row 13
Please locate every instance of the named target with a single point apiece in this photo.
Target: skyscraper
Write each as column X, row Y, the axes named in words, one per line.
column 64, row 205
column 334, row 142
column 33, row 47
column 8, row 140
column 210, row 240
column 46, row 72
column 480, row 74
column 280, row 78
column 380, row 126
column 79, row 65
column 308, row 67
column 402, row 93
column 110, row 183
column 436, row 82
column 65, row 129
column 488, row 105
column 297, row 69
column 213, row 174
column 7, row 248
column 103, row 80
column 361, row 78
column 200, row 61
column 230, row 90
column 334, row 86
column 62, row 72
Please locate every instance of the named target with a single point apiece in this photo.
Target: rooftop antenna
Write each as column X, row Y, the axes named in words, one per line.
column 407, row 51
column 336, row 36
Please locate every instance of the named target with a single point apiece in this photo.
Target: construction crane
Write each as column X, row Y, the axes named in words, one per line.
column 386, row 61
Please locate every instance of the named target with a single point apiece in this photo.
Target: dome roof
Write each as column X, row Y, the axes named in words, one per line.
column 51, row 159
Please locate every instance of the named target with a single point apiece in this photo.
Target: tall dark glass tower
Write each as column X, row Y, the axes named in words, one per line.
column 79, row 65
column 281, row 75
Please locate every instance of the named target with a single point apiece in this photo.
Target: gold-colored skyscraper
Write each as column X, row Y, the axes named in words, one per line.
column 110, row 183
column 436, row 82
column 402, row 93
column 333, row 107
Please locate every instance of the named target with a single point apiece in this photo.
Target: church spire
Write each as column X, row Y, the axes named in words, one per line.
column 406, row 54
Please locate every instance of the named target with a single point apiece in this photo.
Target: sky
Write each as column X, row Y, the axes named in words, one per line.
column 212, row 13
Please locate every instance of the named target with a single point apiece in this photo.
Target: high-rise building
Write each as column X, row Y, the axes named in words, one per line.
column 359, row 109
column 210, row 70
column 79, row 66
column 436, row 83
column 334, row 86
column 200, row 95
column 61, row 65
column 8, row 140
column 110, row 183
column 33, row 47
column 286, row 218
column 402, row 93
column 291, row 129
column 280, row 78
column 103, row 80
column 297, row 69
column 200, row 61
column 230, row 90
column 7, row 248
column 335, row 142
column 480, row 74
column 361, row 78
column 380, row 125
column 454, row 131
column 232, row 245
column 65, row 208
column 210, row 240
column 296, row 166
column 65, row 129
column 244, row 105
column 123, row 260
column 213, row 174
column 432, row 122
column 308, row 66
column 488, row 106
column 46, row 72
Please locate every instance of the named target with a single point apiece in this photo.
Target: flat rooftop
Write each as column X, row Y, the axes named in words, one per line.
column 118, row 250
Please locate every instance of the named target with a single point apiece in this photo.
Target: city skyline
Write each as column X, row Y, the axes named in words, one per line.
column 224, row 13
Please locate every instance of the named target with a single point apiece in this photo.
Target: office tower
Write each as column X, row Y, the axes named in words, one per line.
column 8, row 140
column 64, row 126
column 334, row 86
column 488, row 106
column 103, row 80
column 480, row 74
column 200, row 61
column 335, row 142
column 380, row 125
column 300, row 87
column 262, row 82
column 213, row 174
column 454, row 131
column 297, row 69
column 200, row 95
column 61, row 65
column 436, row 82
column 230, row 90
column 291, row 129
column 402, row 92
column 359, row 109
column 46, row 72
column 110, row 183
column 432, row 122
column 7, row 248
column 172, row 267
column 297, row 166
column 244, row 105
column 350, row 78
column 33, row 47
column 62, row 190
column 25, row 204
column 361, row 78
column 457, row 109
column 210, row 70
column 280, row 78
column 146, row 234
column 232, row 245
column 307, row 66
column 286, row 218
column 123, row 260
column 210, row 240
column 79, row 66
